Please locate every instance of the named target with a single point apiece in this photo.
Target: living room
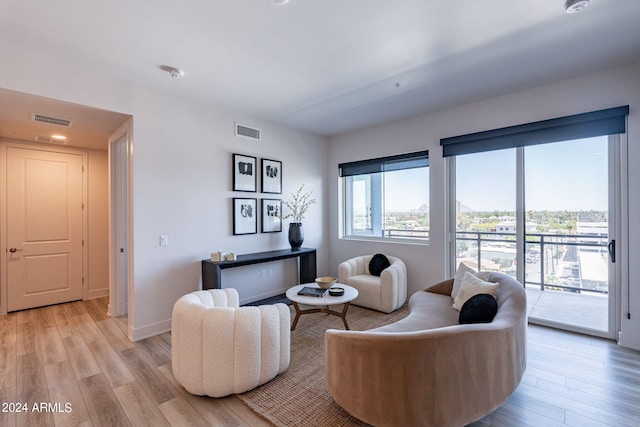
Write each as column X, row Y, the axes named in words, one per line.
column 182, row 146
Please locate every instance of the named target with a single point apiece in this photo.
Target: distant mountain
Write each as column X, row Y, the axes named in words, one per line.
column 464, row 208
column 422, row 209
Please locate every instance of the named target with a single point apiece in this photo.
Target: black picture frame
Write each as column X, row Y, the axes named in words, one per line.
column 245, row 215
column 271, row 214
column 271, row 176
column 245, row 174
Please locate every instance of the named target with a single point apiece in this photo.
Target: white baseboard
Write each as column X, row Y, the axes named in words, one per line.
column 264, row 295
column 97, row 293
column 137, row 334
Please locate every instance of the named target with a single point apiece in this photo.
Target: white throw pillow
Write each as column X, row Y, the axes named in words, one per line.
column 457, row 280
column 471, row 285
column 483, row 275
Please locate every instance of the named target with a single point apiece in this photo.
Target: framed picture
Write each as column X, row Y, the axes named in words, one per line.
column 271, row 215
column 271, row 176
column 244, row 173
column 245, row 216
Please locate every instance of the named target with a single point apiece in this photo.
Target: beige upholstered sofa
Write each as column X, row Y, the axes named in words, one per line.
column 385, row 293
column 218, row 348
column 428, row 370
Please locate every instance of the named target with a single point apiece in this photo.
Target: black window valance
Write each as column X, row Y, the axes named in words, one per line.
column 596, row 123
column 418, row 159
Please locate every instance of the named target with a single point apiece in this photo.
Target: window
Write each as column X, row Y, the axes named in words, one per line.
column 387, row 197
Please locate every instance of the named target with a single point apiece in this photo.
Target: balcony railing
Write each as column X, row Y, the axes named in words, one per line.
column 406, row 233
column 553, row 261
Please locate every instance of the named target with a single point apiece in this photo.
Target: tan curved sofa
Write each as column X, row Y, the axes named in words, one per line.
column 428, row 370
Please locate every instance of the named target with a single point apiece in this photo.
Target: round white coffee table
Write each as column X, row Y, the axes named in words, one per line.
column 350, row 293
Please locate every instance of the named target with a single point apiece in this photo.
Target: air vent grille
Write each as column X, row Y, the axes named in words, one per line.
column 52, row 120
column 247, row 132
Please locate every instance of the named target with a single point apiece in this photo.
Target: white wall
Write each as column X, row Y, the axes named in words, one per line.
column 181, row 178
column 426, row 264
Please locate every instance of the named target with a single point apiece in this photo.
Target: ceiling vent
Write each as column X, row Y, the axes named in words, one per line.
column 45, row 118
column 247, row 132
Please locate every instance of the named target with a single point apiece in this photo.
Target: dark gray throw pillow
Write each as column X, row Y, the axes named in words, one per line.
column 480, row 308
column 378, row 263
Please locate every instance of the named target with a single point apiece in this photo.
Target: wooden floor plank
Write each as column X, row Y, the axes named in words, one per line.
column 65, row 322
column 45, row 317
column 8, row 329
column 65, row 392
column 34, row 415
column 8, row 369
column 82, row 360
column 51, row 346
column 8, row 418
column 114, row 335
column 103, row 406
column 180, row 413
column 157, row 350
column 88, row 328
column 148, row 376
column 139, row 407
column 31, row 376
column 114, row 369
column 97, row 308
column 27, row 337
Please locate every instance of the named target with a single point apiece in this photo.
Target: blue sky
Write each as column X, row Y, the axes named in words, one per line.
column 411, row 185
column 569, row 175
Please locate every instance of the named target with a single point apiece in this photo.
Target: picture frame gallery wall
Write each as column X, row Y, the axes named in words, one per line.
column 245, row 209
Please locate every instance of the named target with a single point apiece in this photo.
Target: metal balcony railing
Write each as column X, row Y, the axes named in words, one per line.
column 547, row 253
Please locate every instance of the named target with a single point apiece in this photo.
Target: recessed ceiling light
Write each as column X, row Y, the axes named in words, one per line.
column 279, row 2
column 58, row 138
column 575, row 6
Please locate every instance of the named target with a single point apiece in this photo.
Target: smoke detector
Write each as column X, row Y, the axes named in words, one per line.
column 575, row 6
column 175, row 73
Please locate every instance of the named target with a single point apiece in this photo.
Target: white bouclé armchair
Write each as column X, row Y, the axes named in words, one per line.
column 385, row 293
column 219, row 348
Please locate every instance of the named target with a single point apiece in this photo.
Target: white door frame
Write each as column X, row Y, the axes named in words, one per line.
column 120, row 202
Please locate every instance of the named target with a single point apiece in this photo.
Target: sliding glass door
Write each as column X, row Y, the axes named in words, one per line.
column 543, row 214
column 567, row 263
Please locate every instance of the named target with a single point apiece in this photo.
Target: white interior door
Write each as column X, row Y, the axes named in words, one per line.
column 44, row 227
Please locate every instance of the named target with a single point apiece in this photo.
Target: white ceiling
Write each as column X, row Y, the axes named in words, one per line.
column 331, row 66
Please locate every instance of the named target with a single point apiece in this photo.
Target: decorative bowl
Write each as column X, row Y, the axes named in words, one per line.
column 336, row 292
column 325, row 282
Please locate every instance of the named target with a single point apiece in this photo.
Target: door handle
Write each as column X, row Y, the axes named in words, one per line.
column 612, row 250
column 12, row 250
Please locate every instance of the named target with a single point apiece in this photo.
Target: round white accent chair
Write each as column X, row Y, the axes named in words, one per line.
column 219, row 348
column 386, row 293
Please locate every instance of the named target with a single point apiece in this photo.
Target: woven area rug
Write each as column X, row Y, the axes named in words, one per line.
column 299, row 396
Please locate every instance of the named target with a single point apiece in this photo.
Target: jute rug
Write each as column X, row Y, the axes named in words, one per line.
column 299, row 396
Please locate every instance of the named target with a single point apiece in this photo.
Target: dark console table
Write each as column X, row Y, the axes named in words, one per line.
column 212, row 271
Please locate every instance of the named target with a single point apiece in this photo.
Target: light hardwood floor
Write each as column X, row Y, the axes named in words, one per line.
column 75, row 355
